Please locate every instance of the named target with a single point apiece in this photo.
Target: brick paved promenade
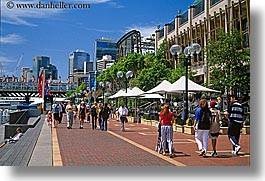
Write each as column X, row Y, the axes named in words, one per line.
column 136, row 147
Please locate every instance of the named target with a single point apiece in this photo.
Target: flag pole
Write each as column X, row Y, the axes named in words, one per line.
column 42, row 88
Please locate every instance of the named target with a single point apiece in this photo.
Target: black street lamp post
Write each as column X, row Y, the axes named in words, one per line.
column 104, row 86
column 128, row 75
column 189, row 51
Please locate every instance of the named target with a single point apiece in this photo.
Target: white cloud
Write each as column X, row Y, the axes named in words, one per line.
column 20, row 16
column 6, row 65
column 144, row 30
column 5, row 60
column 115, row 5
column 98, row 30
column 11, row 39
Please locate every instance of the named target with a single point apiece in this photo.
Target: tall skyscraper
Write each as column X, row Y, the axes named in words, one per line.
column 38, row 62
column 104, row 46
column 76, row 63
column 43, row 61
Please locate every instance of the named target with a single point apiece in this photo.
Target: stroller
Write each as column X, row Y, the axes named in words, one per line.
column 158, row 147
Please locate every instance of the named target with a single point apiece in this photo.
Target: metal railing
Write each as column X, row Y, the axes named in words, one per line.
column 25, row 86
column 4, row 116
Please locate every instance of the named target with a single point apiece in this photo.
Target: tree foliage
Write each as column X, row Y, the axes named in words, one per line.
column 229, row 63
column 149, row 70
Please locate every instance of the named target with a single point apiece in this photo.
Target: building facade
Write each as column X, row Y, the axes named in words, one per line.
column 26, row 72
column 104, row 46
column 129, row 43
column 76, row 64
column 200, row 23
column 102, row 64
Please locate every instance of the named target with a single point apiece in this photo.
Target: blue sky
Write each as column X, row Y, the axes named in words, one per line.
column 57, row 32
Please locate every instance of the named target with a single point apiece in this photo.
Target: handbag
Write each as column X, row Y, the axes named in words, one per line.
column 125, row 120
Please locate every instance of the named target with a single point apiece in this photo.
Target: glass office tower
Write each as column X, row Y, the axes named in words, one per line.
column 104, row 46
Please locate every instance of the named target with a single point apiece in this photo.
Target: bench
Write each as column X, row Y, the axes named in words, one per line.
column 19, row 153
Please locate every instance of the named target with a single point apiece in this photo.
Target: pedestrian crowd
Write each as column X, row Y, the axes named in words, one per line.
column 206, row 122
column 206, row 126
column 97, row 114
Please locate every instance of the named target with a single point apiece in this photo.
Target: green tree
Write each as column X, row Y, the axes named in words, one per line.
column 153, row 75
column 229, row 63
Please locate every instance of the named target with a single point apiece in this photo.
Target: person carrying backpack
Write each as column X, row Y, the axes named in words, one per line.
column 215, row 126
column 202, row 123
column 93, row 113
column 82, row 114
column 105, row 113
column 56, row 114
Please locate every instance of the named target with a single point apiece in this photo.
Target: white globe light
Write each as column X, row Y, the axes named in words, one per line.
column 129, row 74
column 101, row 84
column 175, row 50
column 197, row 48
column 120, row 74
column 188, row 51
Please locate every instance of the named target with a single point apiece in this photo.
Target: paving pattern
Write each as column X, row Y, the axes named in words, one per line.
column 136, row 147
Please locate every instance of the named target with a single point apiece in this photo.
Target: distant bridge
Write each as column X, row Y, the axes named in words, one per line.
column 23, row 89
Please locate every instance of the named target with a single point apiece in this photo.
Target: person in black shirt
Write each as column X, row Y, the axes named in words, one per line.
column 235, row 123
column 105, row 114
column 82, row 114
column 93, row 113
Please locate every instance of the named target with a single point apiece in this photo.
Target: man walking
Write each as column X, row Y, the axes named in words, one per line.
column 235, row 124
column 93, row 113
column 123, row 112
column 70, row 114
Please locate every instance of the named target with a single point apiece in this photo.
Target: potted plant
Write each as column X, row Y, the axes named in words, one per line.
column 246, row 127
column 188, row 128
column 224, row 126
column 179, row 125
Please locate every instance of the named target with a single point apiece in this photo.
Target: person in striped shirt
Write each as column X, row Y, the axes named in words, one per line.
column 235, row 124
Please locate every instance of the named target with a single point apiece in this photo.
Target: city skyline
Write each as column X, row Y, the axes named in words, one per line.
column 58, row 32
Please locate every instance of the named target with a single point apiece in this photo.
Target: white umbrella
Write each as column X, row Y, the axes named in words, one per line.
column 179, row 86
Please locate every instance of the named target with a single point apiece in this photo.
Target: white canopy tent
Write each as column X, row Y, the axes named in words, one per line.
column 161, row 88
column 118, row 94
column 179, row 86
column 134, row 92
column 151, row 96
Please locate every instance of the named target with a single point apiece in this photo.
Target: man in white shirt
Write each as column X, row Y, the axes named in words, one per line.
column 123, row 112
column 70, row 114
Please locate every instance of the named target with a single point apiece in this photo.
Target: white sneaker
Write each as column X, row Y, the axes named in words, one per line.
column 233, row 152
column 214, row 154
column 237, row 149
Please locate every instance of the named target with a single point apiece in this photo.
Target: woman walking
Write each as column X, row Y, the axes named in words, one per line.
column 166, row 119
column 202, row 126
column 82, row 114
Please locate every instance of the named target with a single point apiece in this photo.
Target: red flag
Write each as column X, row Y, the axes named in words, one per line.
column 40, row 83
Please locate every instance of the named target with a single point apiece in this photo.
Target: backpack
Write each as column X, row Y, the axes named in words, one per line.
column 105, row 112
column 56, row 109
column 93, row 110
column 205, row 119
column 82, row 110
column 215, row 125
